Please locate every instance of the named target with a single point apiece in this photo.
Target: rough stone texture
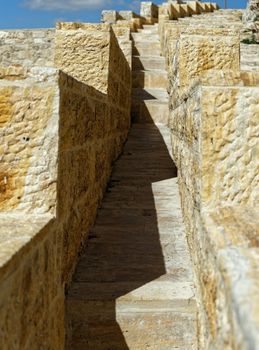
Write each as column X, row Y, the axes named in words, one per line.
column 109, row 16
column 27, row 47
column 31, row 296
column 61, row 138
column 214, row 123
column 122, row 33
column 201, row 50
column 53, row 180
column 29, row 134
column 82, row 51
column 149, row 11
column 251, row 20
column 249, row 55
column 215, row 148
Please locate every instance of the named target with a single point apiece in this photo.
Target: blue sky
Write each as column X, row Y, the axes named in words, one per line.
column 44, row 13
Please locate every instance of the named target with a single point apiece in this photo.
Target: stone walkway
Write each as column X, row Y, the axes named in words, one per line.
column 133, row 287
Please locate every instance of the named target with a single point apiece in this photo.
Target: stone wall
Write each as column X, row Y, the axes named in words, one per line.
column 214, row 120
column 61, row 137
column 27, row 47
column 82, row 50
column 215, row 149
column 29, row 130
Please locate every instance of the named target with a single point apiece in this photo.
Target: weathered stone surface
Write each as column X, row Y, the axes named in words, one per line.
column 27, row 47
column 210, row 168
column 252, row 11
column 29, row 129
column 84, row 53
column 202, row 49
column 60, row 138
column 61, row 134
column 109, row 16
column 149, row 11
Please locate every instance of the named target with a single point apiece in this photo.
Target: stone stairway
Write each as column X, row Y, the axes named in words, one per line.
column 149, row 94
column 133, row 286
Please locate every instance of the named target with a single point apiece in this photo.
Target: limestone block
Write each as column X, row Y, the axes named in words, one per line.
column 60, row 137
column 227, row 153
column 29, row 129
column 109, row 16
column 201, row 50
column 175, row 11
column 194, row 7
column 216, row 151
column 164, row 12
column 251, row 21
column 149, row 11
column 214, row 6
column 240, row 272
column 185, row 10
column 126, row 15
column 84, row 53
column 209, row 7
column 204, row 6
column 27, row 47
column 229, row 143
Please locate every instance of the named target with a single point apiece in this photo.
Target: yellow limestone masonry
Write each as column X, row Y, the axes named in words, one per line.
column 65, row 99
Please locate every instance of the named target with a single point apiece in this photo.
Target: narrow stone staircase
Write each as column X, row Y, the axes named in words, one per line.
column 149, row 78
column 133, row 286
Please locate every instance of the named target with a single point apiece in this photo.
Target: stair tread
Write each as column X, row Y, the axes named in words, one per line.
column 133, row 291
column 150, row 95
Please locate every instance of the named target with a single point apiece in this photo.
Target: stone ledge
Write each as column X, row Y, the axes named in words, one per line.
column 17, row 234
column 240, row 271
column 103, row 27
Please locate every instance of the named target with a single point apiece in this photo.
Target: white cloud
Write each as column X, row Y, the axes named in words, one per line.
column 70, row 5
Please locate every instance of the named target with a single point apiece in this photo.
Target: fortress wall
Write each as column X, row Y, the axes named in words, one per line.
column 215, row 149
column 82, row 51
column 214, row 120
column 80, row 133
column 29, row 140
column 27, row 47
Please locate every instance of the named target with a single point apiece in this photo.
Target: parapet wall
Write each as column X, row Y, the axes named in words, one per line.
column 27, row 47
column 215, row 152
column 61, row 135
column 29, row 133
column 214, row 119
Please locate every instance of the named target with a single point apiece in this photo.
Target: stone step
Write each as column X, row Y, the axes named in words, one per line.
column 145, row 37
column 149, row 79
column 164, row 310
column 148, row 63
column 150, row 26
column 133, row 285
column 140, row 330
column 149, row 94
column 150, row 111
column 146, row 48
column 148, row 31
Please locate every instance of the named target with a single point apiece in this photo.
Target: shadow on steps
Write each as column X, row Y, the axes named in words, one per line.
column 123, row 253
